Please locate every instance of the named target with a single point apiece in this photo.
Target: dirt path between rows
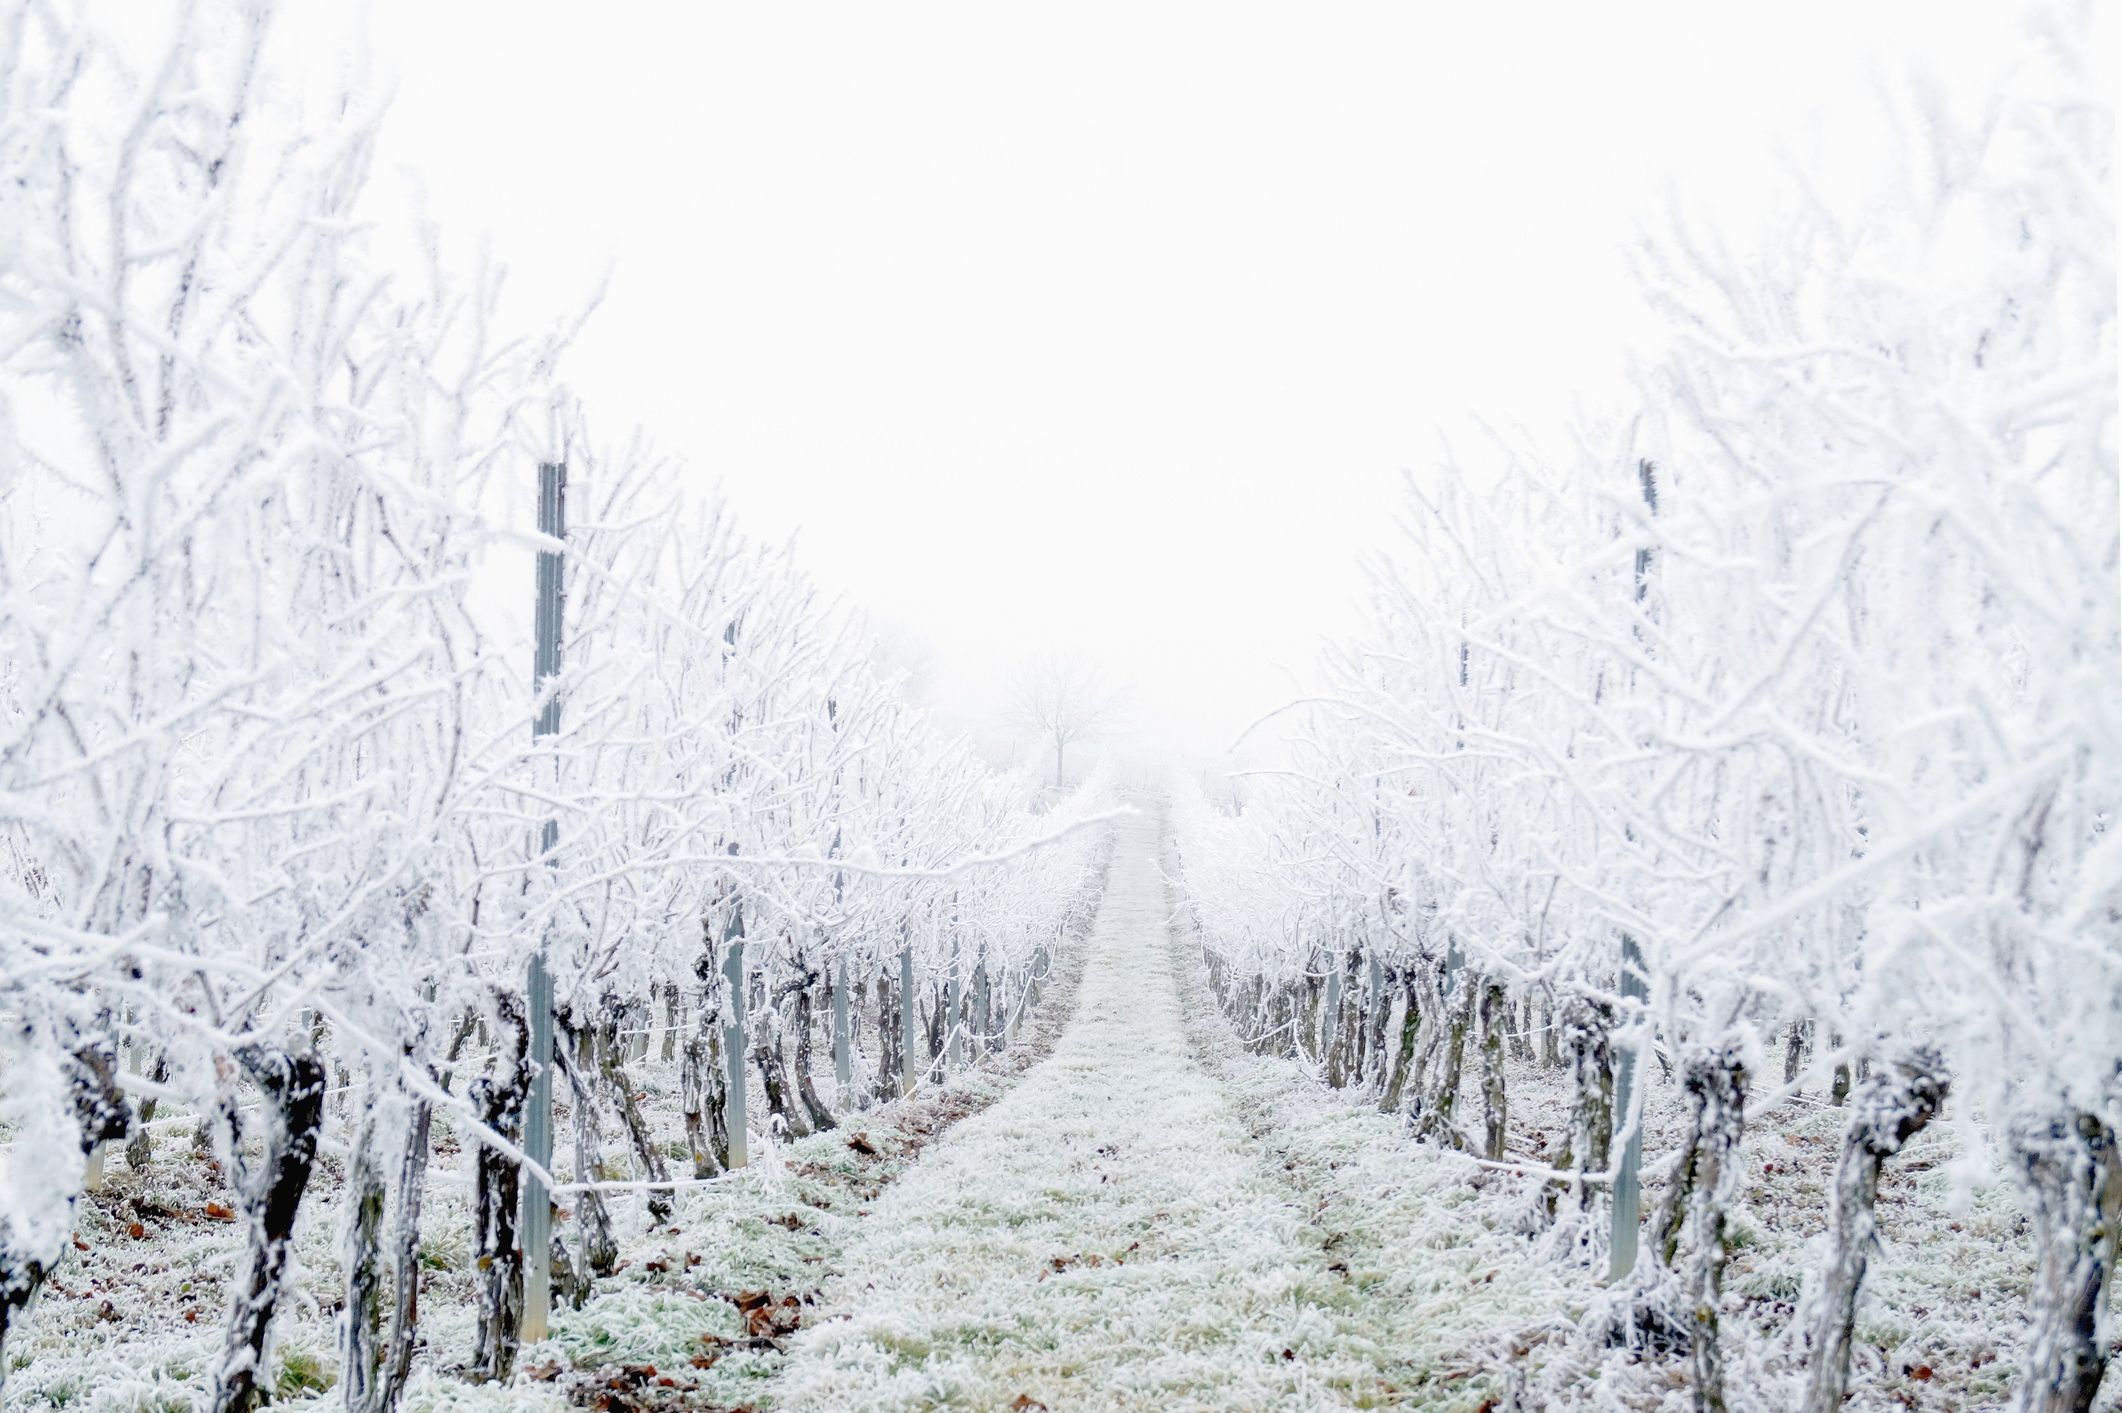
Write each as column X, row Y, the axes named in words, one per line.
column 1108, row 1234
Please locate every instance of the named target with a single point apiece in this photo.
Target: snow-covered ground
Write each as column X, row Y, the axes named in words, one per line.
column 1157, row 1218
column 1116, row 1233
column 696, row 1316
column 1127, row 1209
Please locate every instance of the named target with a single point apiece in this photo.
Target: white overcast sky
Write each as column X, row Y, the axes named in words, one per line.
column 1105, row 328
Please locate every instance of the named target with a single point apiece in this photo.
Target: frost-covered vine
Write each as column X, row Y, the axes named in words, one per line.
column 274, row 824
column 1795, row 684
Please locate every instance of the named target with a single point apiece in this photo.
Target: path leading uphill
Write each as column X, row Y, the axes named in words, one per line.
column 1110, row 1234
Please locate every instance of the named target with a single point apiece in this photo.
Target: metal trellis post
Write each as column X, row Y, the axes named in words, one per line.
column 733, row 1037
column 536, row 1222
column 952, row 997
column 843, row 1066
column 909, row 1024
column 1330, row 1013
column 1373, row 1015
column 1628, row 1174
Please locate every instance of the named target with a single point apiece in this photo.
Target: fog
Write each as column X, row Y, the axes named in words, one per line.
column 1106, row 330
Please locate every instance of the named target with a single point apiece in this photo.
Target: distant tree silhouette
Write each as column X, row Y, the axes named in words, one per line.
column 1063, row 702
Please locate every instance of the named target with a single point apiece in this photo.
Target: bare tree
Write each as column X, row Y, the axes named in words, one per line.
column 1063, row 702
